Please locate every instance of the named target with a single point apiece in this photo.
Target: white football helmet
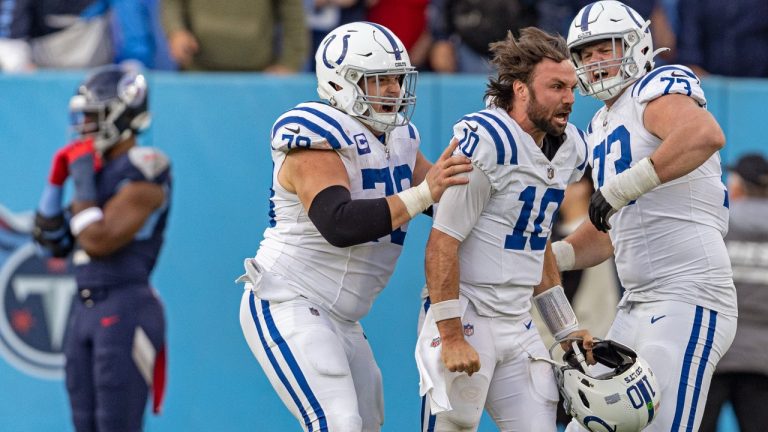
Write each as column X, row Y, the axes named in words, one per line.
column 351, row 54
column 624, row 399
column 615, row 21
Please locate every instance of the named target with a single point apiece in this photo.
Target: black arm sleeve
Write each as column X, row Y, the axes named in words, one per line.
column 345, row 222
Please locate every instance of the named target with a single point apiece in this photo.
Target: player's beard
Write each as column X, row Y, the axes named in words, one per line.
column 541, row 117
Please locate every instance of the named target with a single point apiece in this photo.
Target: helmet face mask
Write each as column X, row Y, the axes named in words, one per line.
column 355, row 66
column 110, row 105
column 387, row 112
column 625, row 398
column 632, row 45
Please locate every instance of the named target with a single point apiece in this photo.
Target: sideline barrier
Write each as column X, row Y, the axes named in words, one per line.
column 215, row 128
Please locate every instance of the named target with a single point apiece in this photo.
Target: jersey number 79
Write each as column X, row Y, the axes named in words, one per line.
column 391, row 180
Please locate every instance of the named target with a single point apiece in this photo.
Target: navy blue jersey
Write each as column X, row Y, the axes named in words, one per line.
column 134, row 262
column 33, row 18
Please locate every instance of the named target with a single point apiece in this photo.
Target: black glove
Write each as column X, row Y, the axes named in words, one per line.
column 600, row 211
column 53, row 234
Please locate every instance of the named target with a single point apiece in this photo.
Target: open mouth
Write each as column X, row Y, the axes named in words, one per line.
column 599, row 74
column 562, row 116
column 382, row 105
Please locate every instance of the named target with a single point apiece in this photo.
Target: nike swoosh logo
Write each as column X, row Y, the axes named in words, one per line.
column 679, row 74
column 108, row 321
column 655, row 318
column 528, row 324
column 298, row 129
column 474, row 129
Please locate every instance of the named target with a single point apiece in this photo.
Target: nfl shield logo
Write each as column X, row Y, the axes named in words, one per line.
column 435, row 342
column 469, row 329
column 550, row 172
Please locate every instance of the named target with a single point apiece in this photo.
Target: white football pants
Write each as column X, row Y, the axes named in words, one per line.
column 682, row 344
column 321, row 367
column 519, row 394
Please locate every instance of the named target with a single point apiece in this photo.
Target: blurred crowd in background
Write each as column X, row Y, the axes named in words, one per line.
column 281, row 36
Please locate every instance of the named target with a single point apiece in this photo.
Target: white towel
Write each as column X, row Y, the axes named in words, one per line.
column 433, row 380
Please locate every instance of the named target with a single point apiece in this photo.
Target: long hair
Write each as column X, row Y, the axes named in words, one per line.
column 515, row 59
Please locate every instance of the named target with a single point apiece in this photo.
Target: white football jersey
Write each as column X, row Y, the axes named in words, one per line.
column 669, row 242
column 501, row 257
column 343, row 280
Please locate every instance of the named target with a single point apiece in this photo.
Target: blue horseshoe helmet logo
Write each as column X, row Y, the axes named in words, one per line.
column 345, row 45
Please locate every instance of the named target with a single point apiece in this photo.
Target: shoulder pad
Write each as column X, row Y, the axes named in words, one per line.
column 666, row 80
column 311, row 125
column 150, row 161
column 489, row 141
column 485, row 137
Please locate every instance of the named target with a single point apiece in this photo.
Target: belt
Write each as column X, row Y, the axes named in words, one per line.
column 91, row 295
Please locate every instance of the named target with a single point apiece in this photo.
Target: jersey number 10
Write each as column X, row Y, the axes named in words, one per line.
column 517, row 240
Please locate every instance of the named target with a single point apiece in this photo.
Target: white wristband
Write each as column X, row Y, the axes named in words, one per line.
column 631, row 184
column 416, row 199
column 446, row 309
column 85, row 218
column 556, row 312
column 564, row 255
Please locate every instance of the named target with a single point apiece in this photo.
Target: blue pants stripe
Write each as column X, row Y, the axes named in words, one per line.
column 425, row 411
column 276, row 365
column 687, row 360
column 702, row 368
column 293, row 365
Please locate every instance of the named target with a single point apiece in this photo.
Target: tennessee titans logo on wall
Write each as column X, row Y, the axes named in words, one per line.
column 36, row 295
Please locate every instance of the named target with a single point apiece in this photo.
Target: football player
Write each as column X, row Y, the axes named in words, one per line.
column 659, row 207
column 489, row 252
column 115, row 344
column 348, row 176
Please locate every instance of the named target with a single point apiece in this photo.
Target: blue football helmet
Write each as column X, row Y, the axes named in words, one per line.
column 111, row 105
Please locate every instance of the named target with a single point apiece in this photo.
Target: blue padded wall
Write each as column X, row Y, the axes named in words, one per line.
column 215, row 128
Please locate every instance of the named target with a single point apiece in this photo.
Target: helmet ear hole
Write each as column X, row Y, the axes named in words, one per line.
column 583, row 398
